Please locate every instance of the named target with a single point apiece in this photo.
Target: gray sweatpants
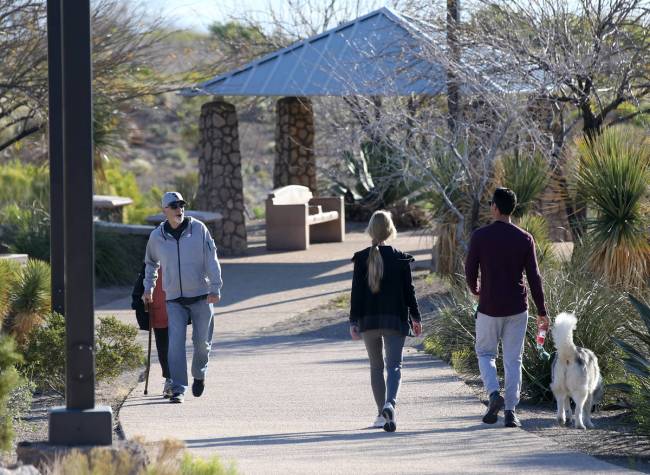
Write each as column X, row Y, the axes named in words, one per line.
column 393, row 342
column 512, row 332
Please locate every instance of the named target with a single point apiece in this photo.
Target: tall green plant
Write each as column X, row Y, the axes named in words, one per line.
column 527, row 177
column 613, row 175
column 9, row 379
column 29, row 299
column 538, row 228
column 637, row 362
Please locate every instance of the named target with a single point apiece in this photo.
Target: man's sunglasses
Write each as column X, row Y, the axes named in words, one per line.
column 490, row 202
column 177, row 204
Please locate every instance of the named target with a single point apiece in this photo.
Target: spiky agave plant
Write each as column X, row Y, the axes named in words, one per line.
column 8, row 271
column 526, row 176
column 29, row 299
column 537, row 226
column 613, row 174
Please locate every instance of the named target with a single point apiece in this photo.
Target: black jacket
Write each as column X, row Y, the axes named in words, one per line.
column 395, row 302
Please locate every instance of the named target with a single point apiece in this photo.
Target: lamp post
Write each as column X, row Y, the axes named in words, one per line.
column 80, row 422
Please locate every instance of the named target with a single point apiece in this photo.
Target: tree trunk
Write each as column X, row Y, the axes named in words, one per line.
column 453, row 91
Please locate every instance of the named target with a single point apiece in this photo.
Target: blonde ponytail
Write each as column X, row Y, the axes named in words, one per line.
column 380, row 228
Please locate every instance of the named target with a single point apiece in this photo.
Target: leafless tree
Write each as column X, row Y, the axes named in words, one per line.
column 123, row 50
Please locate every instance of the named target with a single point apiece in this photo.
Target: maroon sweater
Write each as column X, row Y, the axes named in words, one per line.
column 503, row 251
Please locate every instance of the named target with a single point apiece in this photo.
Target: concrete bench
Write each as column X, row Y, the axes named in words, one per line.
column 111, row 208
column 294, row 219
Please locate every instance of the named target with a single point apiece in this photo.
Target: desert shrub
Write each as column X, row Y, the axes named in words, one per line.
column 116, row 351
column 636, row 348
column 117, row 181
column 9, row 380
column 171, row 459
column 538, row 227
column 118, row 257
column 187, row 185
column 613, row 174
column 601, row 313
column 25, row 185
column 25, row 230
column 29, row 298
column 526, row 176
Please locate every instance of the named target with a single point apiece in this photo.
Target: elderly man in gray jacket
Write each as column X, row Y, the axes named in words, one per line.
column 192, row 284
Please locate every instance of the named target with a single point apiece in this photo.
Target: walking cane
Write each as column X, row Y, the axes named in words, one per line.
column 146, row 380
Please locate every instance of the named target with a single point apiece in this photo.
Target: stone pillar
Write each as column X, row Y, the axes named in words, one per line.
column 220, row 179
column 295, row 163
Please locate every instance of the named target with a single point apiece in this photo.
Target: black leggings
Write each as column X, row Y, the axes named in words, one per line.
column 162, row 343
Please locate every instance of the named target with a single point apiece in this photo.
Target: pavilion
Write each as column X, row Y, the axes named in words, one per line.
column 377, row 54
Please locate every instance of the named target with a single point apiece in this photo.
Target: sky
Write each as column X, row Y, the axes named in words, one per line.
column 199, row 14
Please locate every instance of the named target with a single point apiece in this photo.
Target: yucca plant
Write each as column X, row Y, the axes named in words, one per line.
column 526, row 176
column 8, row 271
column 29, row 299
column 613, row 174
column 537, row 226
column 637, row 363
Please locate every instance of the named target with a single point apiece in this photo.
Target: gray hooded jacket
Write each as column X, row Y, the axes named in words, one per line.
column 190, row 264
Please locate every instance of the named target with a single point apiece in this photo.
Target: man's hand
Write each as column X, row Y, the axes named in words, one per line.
column 354, row 332
column 543, row 320
column 417, row 328
column 214, row 298
column 147, row 297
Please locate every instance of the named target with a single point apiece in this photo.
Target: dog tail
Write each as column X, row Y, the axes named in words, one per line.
column 562, row 331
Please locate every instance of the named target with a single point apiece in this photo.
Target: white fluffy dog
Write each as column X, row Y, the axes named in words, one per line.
column 575, row 375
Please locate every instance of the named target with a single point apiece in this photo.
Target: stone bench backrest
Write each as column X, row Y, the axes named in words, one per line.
column 291, row 195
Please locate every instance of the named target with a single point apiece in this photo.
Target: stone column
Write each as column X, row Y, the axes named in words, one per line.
column 295, row 163
column 220, row 179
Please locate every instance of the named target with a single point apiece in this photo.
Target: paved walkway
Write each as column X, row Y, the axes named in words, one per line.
column 301, row 405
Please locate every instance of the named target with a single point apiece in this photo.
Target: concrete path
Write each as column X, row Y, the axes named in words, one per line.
column 302, row 405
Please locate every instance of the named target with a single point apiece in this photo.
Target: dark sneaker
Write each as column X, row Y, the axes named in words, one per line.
column 167, row 388
column 197, row 387
column 389, row 415
column 495, row 404
column 511, row 419
column 177, row 398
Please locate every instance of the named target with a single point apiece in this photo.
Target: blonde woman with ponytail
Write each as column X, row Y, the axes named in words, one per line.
column 382, row 309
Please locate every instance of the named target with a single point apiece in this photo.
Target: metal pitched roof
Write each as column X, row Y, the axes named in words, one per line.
column 376, row 54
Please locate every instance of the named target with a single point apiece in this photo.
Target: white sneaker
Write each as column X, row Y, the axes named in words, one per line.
column 389, row 414
column 167, row 389
column 379, row 422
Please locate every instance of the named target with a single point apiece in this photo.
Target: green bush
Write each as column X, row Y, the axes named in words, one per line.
column 538, row 227
column 25, row 185
column 118, row 257
column 601, row 313
column 636, row 347
column 187, row 185
column 29, row 298
column 25, row 230
column 613, row 175
column 527, row 177
column 116, row 351
column 9, row 380
column 117, row 181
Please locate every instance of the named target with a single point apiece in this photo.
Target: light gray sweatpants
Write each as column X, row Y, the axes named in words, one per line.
column 512, row 332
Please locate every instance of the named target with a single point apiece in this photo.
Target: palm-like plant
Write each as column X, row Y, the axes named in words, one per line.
column 538, row 227
column 29, row 299
column 527, row 177
column 8, row 270
column 613, row 174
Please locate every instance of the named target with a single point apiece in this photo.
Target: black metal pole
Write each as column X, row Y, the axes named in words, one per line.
column 78, row 203
column 80, row 422
column 55, row 137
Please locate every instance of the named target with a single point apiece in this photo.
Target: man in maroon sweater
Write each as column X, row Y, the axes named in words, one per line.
column 502, row 251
